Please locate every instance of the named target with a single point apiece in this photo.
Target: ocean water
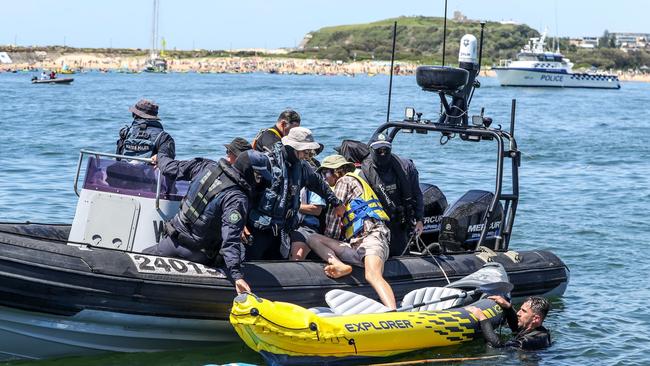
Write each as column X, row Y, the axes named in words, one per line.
column 584, row 179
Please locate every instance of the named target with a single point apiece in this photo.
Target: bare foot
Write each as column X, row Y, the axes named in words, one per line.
column 337, row 269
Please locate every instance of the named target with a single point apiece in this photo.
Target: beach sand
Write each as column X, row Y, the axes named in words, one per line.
column 280, row 65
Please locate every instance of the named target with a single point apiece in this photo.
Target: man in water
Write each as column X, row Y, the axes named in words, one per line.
column 526, row 324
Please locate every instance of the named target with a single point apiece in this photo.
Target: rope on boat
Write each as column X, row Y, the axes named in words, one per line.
column 421, row 245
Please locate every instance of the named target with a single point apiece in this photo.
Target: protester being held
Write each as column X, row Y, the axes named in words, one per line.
column 275, row 216
column 363, row 227
column 208, row 228
column 266, row 138
column 146, row 136
column 526, row 324
column 397, row 185
column 236, row 147
column 312, row 207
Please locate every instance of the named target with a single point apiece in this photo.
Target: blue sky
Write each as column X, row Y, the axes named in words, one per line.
column 270, row 24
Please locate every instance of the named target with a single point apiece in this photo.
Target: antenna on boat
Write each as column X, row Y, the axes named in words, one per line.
column 480, row 56
column 392, row 62
column 444, row 46
column 444, row 35
column 513, row 107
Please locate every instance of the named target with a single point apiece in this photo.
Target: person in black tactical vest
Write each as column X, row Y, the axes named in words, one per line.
column 268, row 137
column 528, row 332
column 146, row 136
column 396, row 182
column 208, row 228
column 274, row 217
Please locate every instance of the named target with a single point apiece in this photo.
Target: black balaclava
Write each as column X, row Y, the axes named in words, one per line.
column 382, row 162
column 244, row 166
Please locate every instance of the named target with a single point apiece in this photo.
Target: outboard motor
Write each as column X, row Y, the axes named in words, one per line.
column 462, row 222
column 435, row 204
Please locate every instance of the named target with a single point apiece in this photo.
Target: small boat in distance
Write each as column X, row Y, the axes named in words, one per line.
column 536, row 67
column 52, row 81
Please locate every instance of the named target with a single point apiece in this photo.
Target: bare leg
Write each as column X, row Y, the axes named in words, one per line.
column 299, row 250
column 327, row 249
column 375, row 276
column 336, row 268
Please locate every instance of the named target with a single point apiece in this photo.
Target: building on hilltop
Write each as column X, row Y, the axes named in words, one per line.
column 631, row 41
column 459, row 17
column 585, row 42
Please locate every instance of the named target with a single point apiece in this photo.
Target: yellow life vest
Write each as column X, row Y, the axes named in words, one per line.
column 362, row 208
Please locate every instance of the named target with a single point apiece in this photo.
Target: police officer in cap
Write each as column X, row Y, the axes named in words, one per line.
column 214, row 210
column 236, row 147
column 396, row 183
column 146, row 136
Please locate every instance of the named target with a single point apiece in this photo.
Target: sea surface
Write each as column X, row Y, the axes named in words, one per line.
column 585, row 179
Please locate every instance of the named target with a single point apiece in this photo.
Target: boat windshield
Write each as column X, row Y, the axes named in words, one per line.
column 130, row 178
column 527, row 57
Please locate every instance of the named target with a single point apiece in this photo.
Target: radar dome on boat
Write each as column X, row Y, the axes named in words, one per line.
column 467, row 52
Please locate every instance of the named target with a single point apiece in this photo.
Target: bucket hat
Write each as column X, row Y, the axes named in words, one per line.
column 334, row 162
column 145, row 109
column 237, row 146
column 301, row 138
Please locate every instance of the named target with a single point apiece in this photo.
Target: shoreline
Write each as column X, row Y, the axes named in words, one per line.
column 279, row 65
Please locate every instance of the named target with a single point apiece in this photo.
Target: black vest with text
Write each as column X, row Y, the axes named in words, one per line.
column 199, row 219
column 141, row 138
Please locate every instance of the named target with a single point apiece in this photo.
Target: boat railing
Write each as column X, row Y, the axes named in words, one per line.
column 116, row 157
column 506, row 148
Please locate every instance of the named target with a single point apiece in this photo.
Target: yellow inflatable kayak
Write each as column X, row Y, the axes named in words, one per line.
column 285, row 333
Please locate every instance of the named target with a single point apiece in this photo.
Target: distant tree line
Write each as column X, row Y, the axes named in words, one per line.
column 419, row 39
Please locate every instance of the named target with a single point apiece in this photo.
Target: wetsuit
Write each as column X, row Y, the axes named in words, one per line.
column 527, row 340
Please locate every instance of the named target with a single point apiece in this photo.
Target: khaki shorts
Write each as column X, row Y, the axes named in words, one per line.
column 373, row 243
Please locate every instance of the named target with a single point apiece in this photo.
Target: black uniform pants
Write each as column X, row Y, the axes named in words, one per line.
column 398, row 238
column 168, row 247
column 266, row 245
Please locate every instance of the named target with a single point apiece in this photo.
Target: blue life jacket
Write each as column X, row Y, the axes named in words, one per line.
column 361, row 208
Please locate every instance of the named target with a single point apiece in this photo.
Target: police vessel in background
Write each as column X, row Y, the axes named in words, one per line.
column 537, row 67
column 86, row 287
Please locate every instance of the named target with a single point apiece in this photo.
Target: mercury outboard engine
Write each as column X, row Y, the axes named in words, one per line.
column 435, row 204
column 462, row 222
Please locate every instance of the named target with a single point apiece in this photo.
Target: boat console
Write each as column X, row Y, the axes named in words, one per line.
column 123, row 202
